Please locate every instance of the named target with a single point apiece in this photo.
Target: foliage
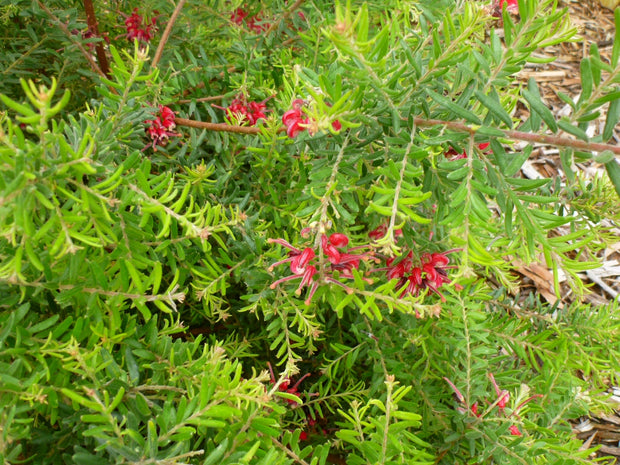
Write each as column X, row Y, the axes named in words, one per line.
column 154, row 265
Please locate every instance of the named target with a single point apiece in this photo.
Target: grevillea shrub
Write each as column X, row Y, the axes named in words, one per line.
column 278, row 233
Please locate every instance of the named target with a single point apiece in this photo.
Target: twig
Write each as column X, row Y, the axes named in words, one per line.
column 64, row 29
column 166, row 34
column 91, row 20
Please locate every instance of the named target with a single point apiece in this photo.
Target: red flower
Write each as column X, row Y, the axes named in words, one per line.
column 243, row 111
column 338, row 260
column 339, row 240
column 284, row 385
column 254, row 23
column 512, row 7
column 380, row 231
column 296, row 121
column 515, row 431
column 240, row 109
column 503, row 396
column 238, row 16
column 160, row 128
column 431, row 274
column 454, row 155
column 300, row 262
column 139, row 28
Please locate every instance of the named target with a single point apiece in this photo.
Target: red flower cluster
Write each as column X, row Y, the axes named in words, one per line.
column 139, row 28
column 430, row 274
column 334, row 261
column 253, row 23
column 340, row 261
column 243, row 111
column 503, row 396
column 296, row 120
column 160, row 128
column 454, row 155
column 512, row 7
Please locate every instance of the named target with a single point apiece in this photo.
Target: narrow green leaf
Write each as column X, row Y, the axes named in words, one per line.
column 613, row 171
column 587, row 83
column 453, row 107
column 495, row 107
column 616, row 50
column 566, row 126
column 215, row 456
column 43, row 325
column 537, row 105
column 18, row 107
column 613, row 117
column 605, row 157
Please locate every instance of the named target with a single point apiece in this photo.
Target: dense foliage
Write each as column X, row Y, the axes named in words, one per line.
column 286, row 233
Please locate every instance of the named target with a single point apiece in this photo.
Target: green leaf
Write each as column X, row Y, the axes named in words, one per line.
column 45, row 324
column 537, row 105
column 215, row 456
column 605, row 157
column 587, row 83
column 566, row 126
column 613, row 117
column 613, row 171
column 453, row 107
column 495, row 107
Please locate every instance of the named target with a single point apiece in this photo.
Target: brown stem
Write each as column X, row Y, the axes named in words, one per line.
column 67, row 32
column 220, row 127
column 93, row 27
column 558, row 141
column 213, row 98
column 166, row 34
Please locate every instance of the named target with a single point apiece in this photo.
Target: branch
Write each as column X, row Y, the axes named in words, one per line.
column 66, row 31
column 166, row 34
column 91, row 19
column 212, row 98
column 558, row 141
column 220, row 127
